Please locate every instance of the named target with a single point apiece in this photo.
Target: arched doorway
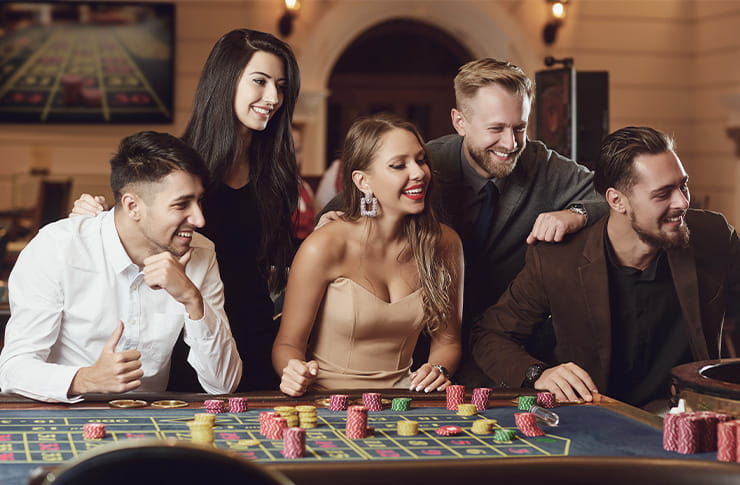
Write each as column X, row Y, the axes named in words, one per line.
column 405, row 67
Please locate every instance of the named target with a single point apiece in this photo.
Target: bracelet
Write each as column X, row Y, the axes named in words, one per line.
column 442, row 370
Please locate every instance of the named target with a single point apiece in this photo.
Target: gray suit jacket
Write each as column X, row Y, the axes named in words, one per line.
column 543, row 181
column 570, row 282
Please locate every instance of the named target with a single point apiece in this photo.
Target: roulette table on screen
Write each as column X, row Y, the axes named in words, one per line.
column 90, row 74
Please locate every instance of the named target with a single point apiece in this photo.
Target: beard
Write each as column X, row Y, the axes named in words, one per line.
column 663, row 240
column 495, row 168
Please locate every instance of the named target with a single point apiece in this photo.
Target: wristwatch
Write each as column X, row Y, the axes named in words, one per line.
column 533, row 373
column 442, row 370
column 579, row 209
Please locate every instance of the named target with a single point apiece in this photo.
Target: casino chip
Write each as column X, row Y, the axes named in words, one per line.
column 238, row 404
column 401, row 404
column 215, row 406
column 372, row 401
column 407, row 428
column 448, row 430
column 93, row 431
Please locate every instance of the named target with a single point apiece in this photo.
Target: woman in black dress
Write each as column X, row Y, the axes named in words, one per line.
column 240, row 125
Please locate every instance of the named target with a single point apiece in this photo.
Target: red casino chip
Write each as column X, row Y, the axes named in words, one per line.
column 93, row 431
column 448, row 430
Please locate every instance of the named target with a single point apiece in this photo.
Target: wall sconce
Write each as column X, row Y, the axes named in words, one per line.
column 557, row 10
column 285, row 24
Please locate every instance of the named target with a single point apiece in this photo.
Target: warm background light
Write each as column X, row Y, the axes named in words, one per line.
column 292, row 5
column 558, row 10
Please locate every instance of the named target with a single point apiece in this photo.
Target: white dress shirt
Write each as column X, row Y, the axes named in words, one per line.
column 70, row 287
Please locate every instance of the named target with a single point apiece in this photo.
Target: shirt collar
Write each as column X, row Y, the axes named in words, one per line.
column 648, row 274
column 114, row 250
column 472, row 177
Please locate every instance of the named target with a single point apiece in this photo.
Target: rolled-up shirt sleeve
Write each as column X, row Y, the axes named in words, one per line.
column 213, row 353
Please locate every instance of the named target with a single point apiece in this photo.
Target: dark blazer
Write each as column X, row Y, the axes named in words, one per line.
column 543, row 181
column 570, row 281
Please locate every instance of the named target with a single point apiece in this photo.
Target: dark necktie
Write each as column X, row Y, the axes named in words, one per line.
column 485, row 215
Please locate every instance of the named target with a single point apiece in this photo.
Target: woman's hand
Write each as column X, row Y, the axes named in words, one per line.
column 87, row 205
column 428, row 378
column 327, row 218
column 298, row 376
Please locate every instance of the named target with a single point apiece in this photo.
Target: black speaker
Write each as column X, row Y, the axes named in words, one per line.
column 592, row 118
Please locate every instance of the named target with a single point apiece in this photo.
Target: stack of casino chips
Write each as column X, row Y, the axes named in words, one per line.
column 480, row 397
column 93, row 431
column 728, row 441
column 401, row 404
column 238, row 404
column 546, row 399
column 525, row 403
column 692, row 432
column 307, row 416
column 482, row 426
column 275, row 427
column 356, row 427
column 338, row 402
column 205, row 418
column 407, row 428
column 372, row 401
column 527, row 424
column 504, row 434
column 294, row 443
column 265, row 417
column 201, row 432
column 215, row 406
column 290, row 413
column 455, row 395
column 464, row 409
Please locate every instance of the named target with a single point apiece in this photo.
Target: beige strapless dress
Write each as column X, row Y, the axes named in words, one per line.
column 361, row 341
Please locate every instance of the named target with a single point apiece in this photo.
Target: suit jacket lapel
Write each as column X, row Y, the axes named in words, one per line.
column 683, row 272
column 595, row 286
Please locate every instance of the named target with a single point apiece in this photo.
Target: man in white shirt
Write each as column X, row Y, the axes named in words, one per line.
column 97, row 303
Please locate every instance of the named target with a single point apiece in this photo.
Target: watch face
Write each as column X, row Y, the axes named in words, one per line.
column 534, row 372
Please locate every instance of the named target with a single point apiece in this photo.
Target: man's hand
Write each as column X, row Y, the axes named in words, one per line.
column 568, row 381
column 553, row 226
column 87, row 205
column 328, row 217
column 298, row 375
column 164, row 271
column 428, row 378
column 113, row 372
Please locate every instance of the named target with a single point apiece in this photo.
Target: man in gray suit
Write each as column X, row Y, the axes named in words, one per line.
column 537, row 194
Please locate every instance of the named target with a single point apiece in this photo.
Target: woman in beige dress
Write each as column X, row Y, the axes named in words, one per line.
column 361, row 289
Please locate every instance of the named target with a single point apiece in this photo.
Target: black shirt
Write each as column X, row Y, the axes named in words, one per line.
column 648, row 330
column 232, row 223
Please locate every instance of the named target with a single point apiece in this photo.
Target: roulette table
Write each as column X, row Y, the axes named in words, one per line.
column 36, row 434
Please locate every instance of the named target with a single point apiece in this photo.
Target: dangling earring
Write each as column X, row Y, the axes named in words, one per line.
column 368, row 200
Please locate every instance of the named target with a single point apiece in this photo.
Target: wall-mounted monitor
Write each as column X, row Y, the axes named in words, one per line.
column 86, row 62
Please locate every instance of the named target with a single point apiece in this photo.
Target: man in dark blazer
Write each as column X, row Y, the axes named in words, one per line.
column 640, row 291
column 541, row 195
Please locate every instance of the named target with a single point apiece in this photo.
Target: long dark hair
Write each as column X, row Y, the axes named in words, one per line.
column 215, row 132
column 422, row 231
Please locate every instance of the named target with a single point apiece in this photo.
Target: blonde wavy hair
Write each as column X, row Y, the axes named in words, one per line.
column 422, row 231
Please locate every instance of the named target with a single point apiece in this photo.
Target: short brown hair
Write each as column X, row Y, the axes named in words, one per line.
column 482, row 72
column 615, row 167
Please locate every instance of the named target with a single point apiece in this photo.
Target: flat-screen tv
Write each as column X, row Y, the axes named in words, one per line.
column 86, row 62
